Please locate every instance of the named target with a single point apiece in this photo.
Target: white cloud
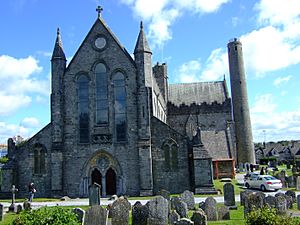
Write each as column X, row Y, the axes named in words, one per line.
column 189, row 72
column 11, row 130
column 30, row 122
column 279, row 125
column 281, row 80
column 216, row 66
column 18, row 68
column 11, row 103
column 18, row 81
column 161, row 14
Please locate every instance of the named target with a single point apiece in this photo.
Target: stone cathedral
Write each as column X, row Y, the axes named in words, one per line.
column 116, row 121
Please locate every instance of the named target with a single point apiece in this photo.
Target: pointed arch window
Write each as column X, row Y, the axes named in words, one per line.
column 39, row 164
column 101, row 95
column 170, row 149
column 83, row 108
column 120, row 106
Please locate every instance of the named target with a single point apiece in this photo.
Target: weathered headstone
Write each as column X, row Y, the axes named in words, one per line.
column 223, row 213
column 292, row 194
column 281, row 205
column 184, row 221
column 94, row 194
column 282, row 176
column 211, row 209
column 298, row 184
column 173, row 217
column 19, row 208
column 252, row 201
column 298, row 202
column 243, row 195
column 80, row 214
column 289, row 201
column 140, row 214
column 173, row 201
column 188, row 198
column 96, row 215
column 202, row 206
column 181, row 208
column 229, row 196
column 164, row 193
column 1, row 212
column 199, row 217
column 291, row 180
column 120, row 212
column 27, row 205
column 158, row 211
column 270, row 201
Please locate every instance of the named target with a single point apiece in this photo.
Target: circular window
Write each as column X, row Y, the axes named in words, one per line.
column 100, row 42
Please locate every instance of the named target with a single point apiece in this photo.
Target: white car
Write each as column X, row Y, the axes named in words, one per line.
column 262, row 182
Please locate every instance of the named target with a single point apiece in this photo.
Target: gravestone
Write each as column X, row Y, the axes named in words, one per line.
column 281, row 176
column 223, row 213
column 243, row 194
column 211, row 209
column 181, row 208
column 164, row 193
column 27, row 205
column 158, row 211
column 188, row 198
column 173, row 217
column 298, row 202
column 292, row 194
column 96, row 215
column 94, row 194
column 199, row 217
column 120, row 212
column 1, row 212
column 298, row 184
column 140, row 214
column 291, row 180
column 229, row 196
column 289, row 201
column 270, row 201
column 173, row 201
column 80, row 214
column 19, row 208
column 252, row 201
column 13, row 207
column 281, row 205
column 202, row 205
column 184, row 221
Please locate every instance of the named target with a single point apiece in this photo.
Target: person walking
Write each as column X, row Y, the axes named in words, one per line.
column 32, row 190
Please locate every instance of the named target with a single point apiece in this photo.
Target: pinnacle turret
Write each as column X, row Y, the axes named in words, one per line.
column 142, row 43
column 58, row 52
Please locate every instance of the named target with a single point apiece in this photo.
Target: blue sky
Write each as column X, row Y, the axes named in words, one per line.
column 190, row 36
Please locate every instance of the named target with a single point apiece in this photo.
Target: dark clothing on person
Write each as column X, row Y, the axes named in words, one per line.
column 31, row 190
column 262, row 171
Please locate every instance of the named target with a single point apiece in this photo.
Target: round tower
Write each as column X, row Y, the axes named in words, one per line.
column 243, row 130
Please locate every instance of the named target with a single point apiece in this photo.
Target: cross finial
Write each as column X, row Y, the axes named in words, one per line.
column 99, row 9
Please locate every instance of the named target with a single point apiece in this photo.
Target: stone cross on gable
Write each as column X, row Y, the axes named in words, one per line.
column 13, row 191
column 99, row 9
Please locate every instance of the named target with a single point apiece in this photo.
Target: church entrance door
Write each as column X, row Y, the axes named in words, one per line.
column 96, row 177
column 111, row 184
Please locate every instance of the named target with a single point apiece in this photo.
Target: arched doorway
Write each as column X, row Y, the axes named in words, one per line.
column 111, row 184
column 96, row 176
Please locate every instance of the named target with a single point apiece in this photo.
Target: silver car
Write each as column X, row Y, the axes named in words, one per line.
column 262, row 182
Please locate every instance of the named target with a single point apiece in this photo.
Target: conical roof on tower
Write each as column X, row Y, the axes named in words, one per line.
column 142, row 43
column 58, row 52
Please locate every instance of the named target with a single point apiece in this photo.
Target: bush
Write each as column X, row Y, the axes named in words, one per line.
column 4, row 159
column 267, row 216
column 47, row 215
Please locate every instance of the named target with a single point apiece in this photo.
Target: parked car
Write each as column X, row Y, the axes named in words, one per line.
column 262, row 182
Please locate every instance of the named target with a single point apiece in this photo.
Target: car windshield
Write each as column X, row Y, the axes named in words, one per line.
column 270, row 178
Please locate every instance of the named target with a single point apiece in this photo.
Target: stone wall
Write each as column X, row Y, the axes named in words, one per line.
column 174, row 180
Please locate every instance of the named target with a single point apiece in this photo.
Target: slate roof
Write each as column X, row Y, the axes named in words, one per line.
column 216, row 144
column 198, row 93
